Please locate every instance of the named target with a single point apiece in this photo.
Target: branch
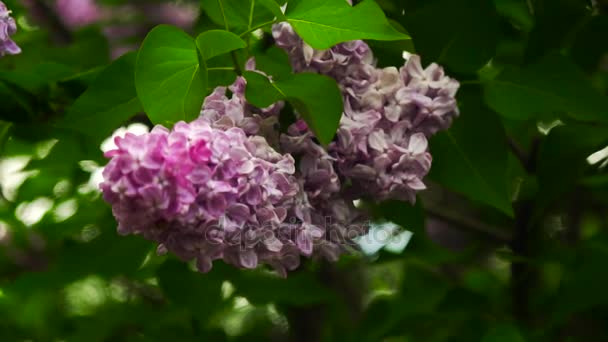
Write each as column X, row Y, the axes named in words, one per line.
column 523, row 274
column 528, row 161
column 494, row 233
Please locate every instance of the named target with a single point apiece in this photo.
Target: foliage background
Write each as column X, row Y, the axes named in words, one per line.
column 509, row 243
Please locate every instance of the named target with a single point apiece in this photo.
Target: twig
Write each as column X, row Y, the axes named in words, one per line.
column 257, row 27
column 528, row 160
column 494, row 233
column 235, row 61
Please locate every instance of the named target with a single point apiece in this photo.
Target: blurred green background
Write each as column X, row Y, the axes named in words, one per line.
column 509, row 243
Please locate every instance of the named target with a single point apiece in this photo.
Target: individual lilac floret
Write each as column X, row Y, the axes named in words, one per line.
column 8, row 27
column 206, row 193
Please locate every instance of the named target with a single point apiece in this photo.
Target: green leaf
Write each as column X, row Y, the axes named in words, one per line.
column 585, row 49
column 200, row 293
column 5, row 133
column 269, row 288
column 582, row 287
column 556, row 20
column 218, row 42
column 461, row 35
column 108, row 102
column 562, row 158
column 260, row 91
column 554, row 85
column 211, row 46
column 237, row 15
column 169, row 81
column 16, row 104
column 275, row 62
column 471, row 157
column 325, row 23
column 517, row 11
column 273, row 7
column 317, row 99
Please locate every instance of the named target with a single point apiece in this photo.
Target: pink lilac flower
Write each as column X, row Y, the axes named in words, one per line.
column 326, row 204
column 78, row 13
column 8, row 27
column 381, row 145
column 205, row 193
column 325, row 221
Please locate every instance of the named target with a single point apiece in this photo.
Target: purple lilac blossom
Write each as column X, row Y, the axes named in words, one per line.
column 8, row 27
column 327, row 205
column 206, row 193
column 381, row 145
column 78, row 13
column 326, row 221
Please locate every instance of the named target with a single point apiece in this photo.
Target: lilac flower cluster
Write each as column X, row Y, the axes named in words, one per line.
column 217, row 188
column 322, row 220
column 206, row 193
column 8, row 27
column 381, row 146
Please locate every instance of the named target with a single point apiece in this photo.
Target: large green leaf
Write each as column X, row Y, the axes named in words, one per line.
column 325, row 23
column 213, row 43
column 471, row 157
column 260, row 91
column 552, row 86
column 169, row 81
column 275, row 62
column 237, row 15
column 316, row 97
column 461, row 35
column 108, row 102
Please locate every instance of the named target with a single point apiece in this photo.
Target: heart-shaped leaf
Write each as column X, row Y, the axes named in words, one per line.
column 108, row 102
column 325, row 23
column 317, row 99
column 169, row 81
